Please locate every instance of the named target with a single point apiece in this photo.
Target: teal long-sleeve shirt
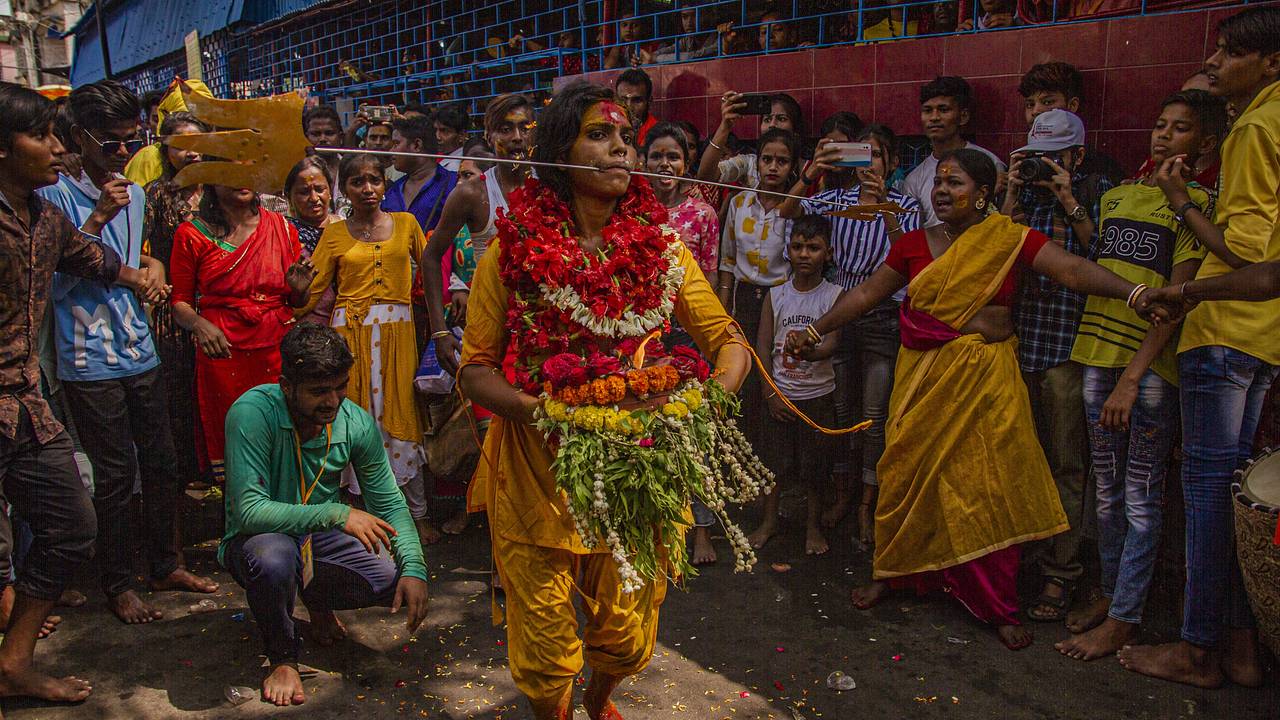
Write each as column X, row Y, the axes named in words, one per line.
column 264, row 490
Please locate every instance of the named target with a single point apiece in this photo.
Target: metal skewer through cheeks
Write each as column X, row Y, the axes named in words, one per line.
column 858, row 212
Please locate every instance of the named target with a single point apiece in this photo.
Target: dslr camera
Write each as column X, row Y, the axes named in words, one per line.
column 1033, row 168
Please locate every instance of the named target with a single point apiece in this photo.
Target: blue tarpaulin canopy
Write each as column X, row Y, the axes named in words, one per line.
column 139, row 31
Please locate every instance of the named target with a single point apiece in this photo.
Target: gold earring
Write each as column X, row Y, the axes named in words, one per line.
column 981, row 204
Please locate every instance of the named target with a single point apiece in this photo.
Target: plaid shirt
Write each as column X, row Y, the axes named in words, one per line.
column 1046, row 314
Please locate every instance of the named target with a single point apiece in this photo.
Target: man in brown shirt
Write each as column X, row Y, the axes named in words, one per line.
column 38, row 474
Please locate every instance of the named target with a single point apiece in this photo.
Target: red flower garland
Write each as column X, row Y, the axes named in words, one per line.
column 539, row 248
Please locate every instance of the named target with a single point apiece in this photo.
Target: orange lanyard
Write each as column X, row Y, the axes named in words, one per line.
column 302, row 478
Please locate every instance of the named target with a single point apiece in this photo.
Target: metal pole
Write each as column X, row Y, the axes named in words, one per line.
column 102, row 38
column 564, row 166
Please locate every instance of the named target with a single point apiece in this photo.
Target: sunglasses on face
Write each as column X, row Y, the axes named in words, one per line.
column 112, row 147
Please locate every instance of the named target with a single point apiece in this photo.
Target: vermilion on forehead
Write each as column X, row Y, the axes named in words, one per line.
column 606, row 111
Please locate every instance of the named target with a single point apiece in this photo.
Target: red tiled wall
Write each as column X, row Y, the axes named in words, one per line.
column 1129, row 65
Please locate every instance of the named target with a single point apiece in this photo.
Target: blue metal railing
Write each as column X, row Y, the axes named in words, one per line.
column 442, row 51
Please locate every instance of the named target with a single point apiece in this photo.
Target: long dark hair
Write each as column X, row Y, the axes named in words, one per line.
column 168, row 127
column 210, row 211
column 558, row 128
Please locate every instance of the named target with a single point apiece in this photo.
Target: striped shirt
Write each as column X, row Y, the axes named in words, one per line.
column 860, row 246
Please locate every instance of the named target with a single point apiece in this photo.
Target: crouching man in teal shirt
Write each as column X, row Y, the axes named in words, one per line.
column 287, row 446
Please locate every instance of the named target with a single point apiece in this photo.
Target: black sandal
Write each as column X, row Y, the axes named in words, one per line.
column 1057, row 605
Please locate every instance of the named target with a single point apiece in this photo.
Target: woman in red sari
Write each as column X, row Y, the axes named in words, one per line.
column 237, row 273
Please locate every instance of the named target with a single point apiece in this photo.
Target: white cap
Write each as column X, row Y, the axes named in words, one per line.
column 1054, row 130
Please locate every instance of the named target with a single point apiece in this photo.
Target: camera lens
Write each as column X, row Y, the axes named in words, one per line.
column 1034, row 169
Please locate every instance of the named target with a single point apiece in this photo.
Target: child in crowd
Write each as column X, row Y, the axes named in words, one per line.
column 1131, row 375
column 752, row 257
column 795, row 451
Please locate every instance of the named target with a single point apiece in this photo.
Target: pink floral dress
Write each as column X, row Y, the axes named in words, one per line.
column 699, row 227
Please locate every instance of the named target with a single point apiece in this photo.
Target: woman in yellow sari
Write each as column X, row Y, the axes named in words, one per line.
column 963, row 480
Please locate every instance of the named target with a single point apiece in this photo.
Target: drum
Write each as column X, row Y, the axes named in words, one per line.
column 1257, row 507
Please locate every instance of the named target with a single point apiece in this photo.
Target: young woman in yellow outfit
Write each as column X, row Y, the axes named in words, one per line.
column 370, row 255
column 604, row 216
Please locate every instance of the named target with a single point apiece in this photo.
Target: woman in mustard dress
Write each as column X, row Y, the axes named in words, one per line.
column 370, row 255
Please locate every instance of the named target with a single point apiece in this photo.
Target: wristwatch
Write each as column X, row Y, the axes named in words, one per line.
column 1078, row 215
column 1181, row 214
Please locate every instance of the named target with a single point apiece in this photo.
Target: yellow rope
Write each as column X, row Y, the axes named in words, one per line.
column 790, row 405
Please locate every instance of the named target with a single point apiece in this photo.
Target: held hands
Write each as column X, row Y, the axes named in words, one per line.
column 799, row 343
column 1164, row 305
column 151, row 285
column 373, row 532
column 411, row 593
column 300, row 274
column 210, row 339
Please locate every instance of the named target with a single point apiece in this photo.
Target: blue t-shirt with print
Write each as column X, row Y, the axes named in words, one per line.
column 100, row 331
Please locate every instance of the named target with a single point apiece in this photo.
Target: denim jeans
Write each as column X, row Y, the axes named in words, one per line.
column 864, row 363
column 1129, row 467
column 1222, row 394
column 269, row 568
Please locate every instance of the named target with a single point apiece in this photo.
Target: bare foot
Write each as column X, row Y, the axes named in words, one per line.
column 868, row 596
column 839, row 506
column 6, row 609
column 325, row 628
column 703, row 552
column 596, row 697
column 427, row 533
column 814, row 542
column 761, row 535
column 1240, row 663
column 1090, row 615
column 1103, row 640
column 131, row 609
column 185, row 581
column 283, row 686
column 72, row 598
column 866, row 525
column 27, row 682
column 1014, row 637
column 1178, row 662
column 458, row 523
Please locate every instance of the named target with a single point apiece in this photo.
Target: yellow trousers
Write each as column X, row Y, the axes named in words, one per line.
column 545, row 651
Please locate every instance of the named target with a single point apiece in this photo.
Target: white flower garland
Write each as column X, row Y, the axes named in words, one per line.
column 631, row 324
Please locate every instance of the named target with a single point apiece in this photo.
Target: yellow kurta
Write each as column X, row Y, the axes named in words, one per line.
column 373, row 314
column 539, row 555
column 962, row 474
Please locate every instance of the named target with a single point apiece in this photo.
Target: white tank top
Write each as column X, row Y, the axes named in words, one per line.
column 794, row 310
column 480, row 240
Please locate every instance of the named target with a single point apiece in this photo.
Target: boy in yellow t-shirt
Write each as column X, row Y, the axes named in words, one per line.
column 1131, row 374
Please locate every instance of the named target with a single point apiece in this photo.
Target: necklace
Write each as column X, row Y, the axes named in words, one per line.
column 364, row 234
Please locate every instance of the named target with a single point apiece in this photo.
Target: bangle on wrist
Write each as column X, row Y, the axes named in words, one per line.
column 1136, row 293
column 813, row 333
column 716, row 145
column 440, row 333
